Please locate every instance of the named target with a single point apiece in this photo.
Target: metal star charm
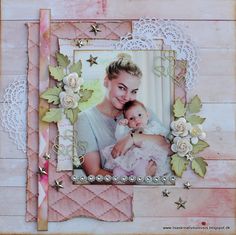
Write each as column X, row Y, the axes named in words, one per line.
column 79, row 43
column 95, row 29
column 92, row 60
column 42, row 171
column 180, row 203
column 57, row 185
column 187, row 185
column 165, row 193
column 47, row 156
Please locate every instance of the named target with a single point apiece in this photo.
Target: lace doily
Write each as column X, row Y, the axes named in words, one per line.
column 13, row 113
column 146, row 30
column 134, row 41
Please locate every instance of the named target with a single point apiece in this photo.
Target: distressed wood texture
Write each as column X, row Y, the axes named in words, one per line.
column 220, row 134
column 138, row 226
column 211, row 180
column 149, row 202
column 112, row 9
column 212, row 33
column 211, row 25
column 220, row 93
column 220, row 62
column 211, row 41
column 222, row 146
column 200, row 202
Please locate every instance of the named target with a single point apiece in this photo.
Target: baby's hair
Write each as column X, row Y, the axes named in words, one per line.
column 131, row 104
column 123, row 63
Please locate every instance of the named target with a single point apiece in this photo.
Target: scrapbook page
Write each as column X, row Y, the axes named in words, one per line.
column 118, row 123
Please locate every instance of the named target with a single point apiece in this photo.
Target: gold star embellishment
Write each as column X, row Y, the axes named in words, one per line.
column 42, row 171
column 180, row 203
column 47, row 156
column 57, row 185
column 165, row 193
column 187, row 185
column 95, row 29
column 92, row 60
column 79, row 43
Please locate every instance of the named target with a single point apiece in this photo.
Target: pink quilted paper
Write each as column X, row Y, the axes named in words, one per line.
column 109, row 203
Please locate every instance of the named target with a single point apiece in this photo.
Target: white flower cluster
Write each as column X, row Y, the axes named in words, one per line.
column 185, row 136
column 70, row 97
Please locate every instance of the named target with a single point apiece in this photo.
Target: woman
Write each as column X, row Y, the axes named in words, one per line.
column 96, row 126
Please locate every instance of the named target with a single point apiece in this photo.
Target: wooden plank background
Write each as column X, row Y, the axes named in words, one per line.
column 212, row 25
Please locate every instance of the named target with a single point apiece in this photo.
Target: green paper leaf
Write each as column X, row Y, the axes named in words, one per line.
column 85, row 95
column 195, row 105
column 194, row 119
column 178, row 108
column 200, row 146
column 178, row 164
column 62, row 60
column 56, row 72
column 76, row 67
column 97, row 95
column 53, row 115
column 72, row 114
column 199, row 166
column 52, row 95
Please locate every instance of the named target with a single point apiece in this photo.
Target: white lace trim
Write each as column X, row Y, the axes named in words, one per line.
column 14, row 111
column 147, row 30
column 134, row 41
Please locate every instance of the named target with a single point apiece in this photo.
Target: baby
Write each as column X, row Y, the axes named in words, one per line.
column 136, row 159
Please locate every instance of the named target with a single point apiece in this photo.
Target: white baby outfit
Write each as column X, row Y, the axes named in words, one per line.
column 148, row 151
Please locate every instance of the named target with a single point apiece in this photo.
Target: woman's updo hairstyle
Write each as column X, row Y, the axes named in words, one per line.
column 123, row 63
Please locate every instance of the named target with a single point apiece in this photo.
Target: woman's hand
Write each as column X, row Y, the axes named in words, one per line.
column 122, row 146
column 151, row 168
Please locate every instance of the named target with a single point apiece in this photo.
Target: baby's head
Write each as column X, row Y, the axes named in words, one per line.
column 136, row 114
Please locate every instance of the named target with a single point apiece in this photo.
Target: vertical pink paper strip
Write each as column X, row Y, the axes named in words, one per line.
column 44, row 61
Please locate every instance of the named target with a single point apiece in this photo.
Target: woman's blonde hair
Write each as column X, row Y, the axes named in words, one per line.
column 123, row 63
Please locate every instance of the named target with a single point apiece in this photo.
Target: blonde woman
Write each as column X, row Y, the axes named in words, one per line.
column 96, row 126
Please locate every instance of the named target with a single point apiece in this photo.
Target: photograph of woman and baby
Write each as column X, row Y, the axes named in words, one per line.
column 123, row 137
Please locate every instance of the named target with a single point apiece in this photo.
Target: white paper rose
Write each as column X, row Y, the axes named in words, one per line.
column 69, row 99
column 72, row 82
column 181, row 146
column 197, row 133
column 180, row 127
